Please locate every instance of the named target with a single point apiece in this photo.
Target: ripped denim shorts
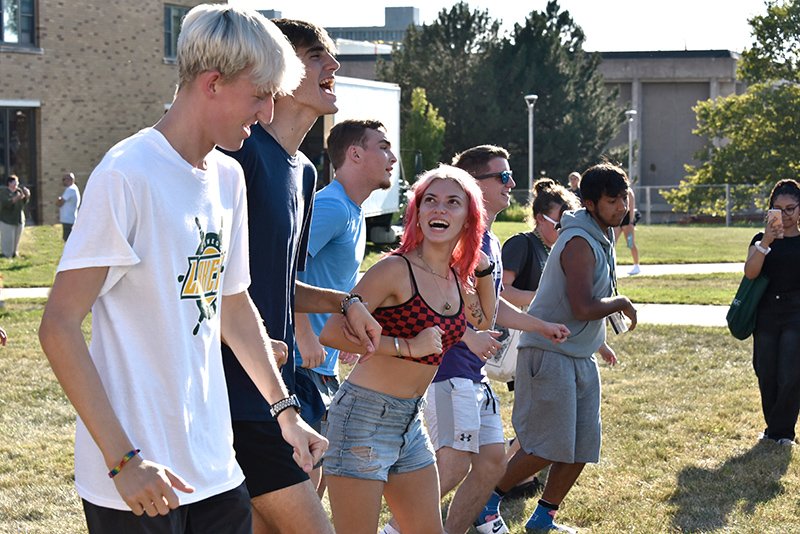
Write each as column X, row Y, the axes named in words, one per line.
column 373, row 435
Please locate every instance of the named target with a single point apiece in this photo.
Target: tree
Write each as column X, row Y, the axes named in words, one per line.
column 477, row 80
column 423, row 133
column 776, row 53
column 752, row 138
column 761, row 129
column 443, row 58
column 575, row 116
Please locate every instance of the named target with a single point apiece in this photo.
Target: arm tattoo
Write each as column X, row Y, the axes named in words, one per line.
column 476, row 312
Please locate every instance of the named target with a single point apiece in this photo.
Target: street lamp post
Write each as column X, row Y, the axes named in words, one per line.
column 631, row 114
column 530, row 100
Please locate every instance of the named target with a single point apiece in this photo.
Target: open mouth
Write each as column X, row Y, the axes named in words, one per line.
column 327, row 85
column 438, row 224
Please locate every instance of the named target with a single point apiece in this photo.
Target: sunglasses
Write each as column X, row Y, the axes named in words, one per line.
column 505, row 176
column 555, row 223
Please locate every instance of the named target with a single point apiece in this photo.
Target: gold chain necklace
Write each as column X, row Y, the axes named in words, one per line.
column 447, row 305
column 446, row 277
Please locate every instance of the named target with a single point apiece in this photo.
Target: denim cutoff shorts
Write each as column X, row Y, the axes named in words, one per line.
column 373, row 435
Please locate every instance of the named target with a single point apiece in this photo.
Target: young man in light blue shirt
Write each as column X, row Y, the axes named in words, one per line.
column 362, row 159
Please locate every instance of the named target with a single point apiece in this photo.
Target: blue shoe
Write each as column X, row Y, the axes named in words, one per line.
column 554, row 527
column 489, row 520
column 491, row 509
column 542, row 520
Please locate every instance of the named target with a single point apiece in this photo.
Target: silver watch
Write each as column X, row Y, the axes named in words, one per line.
column 283, row 404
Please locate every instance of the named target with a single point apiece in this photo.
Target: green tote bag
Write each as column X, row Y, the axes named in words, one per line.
column 742, row 313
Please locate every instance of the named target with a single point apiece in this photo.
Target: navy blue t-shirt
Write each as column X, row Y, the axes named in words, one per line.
column 280, row 198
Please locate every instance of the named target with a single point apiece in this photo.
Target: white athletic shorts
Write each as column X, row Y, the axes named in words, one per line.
column 463, row 415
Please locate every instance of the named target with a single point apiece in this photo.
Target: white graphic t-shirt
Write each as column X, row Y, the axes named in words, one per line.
column 175, row 240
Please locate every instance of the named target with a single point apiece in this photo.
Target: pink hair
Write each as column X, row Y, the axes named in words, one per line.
column 465, row 255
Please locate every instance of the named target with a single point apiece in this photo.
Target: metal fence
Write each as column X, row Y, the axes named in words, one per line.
column 655, row 209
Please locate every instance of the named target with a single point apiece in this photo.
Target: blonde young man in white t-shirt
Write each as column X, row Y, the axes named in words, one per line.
column 160, row 256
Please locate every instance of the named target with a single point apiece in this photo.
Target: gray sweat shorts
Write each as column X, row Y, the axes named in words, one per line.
column 557, row 406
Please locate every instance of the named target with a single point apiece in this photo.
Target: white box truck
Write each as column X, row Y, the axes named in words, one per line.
column 367, row 99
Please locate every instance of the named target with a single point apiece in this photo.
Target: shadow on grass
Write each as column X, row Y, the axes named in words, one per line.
column 705, row 498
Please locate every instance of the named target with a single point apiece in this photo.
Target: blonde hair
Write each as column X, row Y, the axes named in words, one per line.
column 230, row 40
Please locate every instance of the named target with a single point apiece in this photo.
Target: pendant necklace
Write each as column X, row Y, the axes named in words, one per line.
column 447, row 305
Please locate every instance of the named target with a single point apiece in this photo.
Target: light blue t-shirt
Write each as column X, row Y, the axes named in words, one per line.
column 335, row 250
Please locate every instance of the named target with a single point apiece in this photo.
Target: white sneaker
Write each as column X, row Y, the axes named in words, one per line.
column 786, row 441
column 635, row 270
column 496, row 526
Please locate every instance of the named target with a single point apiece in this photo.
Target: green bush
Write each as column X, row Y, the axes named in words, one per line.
column 516, row 212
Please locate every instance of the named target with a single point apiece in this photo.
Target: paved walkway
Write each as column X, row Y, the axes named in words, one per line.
column 9, row 293
column 675, row 314
column 683, row 314
column 683, row 268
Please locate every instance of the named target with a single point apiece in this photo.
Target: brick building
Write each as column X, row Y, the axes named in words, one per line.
column 77, row 77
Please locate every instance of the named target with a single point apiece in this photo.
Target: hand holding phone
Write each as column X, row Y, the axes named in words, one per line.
column 774, row 221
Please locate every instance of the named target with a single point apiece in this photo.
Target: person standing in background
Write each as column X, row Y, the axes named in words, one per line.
column 68, row 204
column 575, row 185
column 776, row 338
column 628, row 227
column 12, row 216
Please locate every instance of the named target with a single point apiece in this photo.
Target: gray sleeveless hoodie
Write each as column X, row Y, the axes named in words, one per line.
column 551, row 302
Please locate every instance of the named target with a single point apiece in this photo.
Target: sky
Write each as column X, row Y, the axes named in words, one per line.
column 609, row 25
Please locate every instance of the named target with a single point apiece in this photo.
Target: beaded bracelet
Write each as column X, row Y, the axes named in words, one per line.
column 116, row 470
column 348, row 300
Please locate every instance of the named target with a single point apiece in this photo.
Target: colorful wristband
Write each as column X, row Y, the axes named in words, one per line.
column 348, row 300
column 116, row 470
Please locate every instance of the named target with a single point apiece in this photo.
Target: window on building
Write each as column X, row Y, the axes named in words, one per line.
column 172, row 27
column 18, row 150
column 17, row 22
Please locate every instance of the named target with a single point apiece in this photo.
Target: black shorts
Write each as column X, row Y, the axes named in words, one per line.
column 226, row 513
column 627, row 220
column 265, row 457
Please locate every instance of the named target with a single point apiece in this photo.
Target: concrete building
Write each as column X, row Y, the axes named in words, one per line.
column 358, row 59
column 663, row 87
column 78, row 77
column 397, row 20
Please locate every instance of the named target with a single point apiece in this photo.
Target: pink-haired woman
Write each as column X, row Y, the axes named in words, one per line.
column 423, row 295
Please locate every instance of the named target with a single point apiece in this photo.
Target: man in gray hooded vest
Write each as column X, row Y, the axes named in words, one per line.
column 557, row 388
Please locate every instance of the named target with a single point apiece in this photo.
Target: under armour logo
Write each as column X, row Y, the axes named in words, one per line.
column 466, row 437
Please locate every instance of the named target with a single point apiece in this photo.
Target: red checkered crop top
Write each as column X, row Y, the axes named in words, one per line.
column 407, row 320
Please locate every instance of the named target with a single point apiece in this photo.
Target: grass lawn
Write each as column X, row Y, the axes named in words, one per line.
column 41, row 247
column 713, row 288
column 660, row 244
column 680, row 418
column 657, row 244
column 39, row 252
